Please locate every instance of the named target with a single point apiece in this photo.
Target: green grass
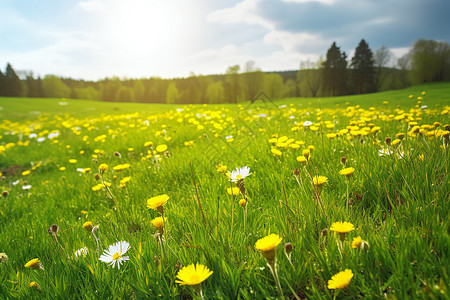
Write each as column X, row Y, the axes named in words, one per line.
column 398, row 204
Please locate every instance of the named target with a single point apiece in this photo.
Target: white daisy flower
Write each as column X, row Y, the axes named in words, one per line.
column 115, row 253
column 239, row 174
column 307, row 123
column 386, row 152
column 26, row 187
column 53, row 135
column 81, row 252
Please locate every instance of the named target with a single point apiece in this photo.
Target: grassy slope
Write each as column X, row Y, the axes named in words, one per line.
column 401, row 211
column 16, row 109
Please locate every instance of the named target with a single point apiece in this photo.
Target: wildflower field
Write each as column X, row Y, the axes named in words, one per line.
column 342, row 198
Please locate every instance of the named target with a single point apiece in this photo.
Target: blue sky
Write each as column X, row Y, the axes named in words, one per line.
column 94, row 39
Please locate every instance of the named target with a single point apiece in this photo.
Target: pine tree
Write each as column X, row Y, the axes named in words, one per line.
column 334, row 71
column 13, row 85
column 363, row 69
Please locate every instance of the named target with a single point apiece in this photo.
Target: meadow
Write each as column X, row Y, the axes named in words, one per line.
column 343, row 198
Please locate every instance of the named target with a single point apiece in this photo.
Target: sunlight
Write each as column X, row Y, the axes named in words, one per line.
column 156, row 30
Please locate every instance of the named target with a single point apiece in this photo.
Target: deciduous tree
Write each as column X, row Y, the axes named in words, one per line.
column 430, row 61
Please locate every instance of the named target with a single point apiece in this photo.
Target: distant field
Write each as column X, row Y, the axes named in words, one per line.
column 377, row 161
column 29, row 108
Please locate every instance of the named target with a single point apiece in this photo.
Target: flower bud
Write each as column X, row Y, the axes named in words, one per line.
column 388, row 141
column 288, row 248
column 3, row 258
column 53, row 229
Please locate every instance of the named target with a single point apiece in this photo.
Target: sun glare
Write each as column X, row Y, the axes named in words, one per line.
column 153, row 30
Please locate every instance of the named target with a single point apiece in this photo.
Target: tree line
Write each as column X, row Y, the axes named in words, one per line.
column 332, row 75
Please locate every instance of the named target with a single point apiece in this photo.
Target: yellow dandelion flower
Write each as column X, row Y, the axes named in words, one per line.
column 193, row 275
column 102, row 168
column 88, row 226
column 342, row 227
column 157, row 202
column 148, row 144
column 401, row 135
column 161, row 148
column 396, row 142
column 243, row 203
column 268, row 243
column 158, row 222
column 306, row 153
column 302, row 159
column 319, row 180
column 35, row 263
column 25, row 173
column 221, row 169
column 276, row 152
column 340, row 280
column 35, row 285
column 121, row 167
column 97, row 187
column 356, row 242
column 234, row 191
column 347, row 171
column 72, row 161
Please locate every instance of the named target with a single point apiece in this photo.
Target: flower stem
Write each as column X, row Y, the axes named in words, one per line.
column 199, row 291
column 348, row 183
column 96, row 240
column 273, row 268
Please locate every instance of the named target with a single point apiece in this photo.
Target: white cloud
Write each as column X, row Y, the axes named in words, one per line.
column 91, row 6
column 328, row 2
column 216, row 61
column 243, row 12
column 293, row 42
column 399, row 52
column 292, row 47
column 284, row 60
column 66, row 57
